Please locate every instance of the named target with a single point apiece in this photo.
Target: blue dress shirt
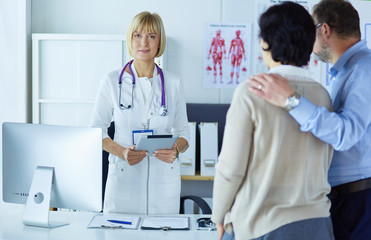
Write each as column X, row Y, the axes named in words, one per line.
column 348, row 128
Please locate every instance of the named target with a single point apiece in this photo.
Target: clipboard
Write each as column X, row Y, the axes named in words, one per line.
column 101, row 221
column 165, row 223
column 151, row 143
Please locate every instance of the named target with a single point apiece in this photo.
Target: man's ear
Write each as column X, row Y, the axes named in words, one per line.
column 327, row 31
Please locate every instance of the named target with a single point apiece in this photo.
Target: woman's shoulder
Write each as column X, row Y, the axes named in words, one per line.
column 243, row 95
column 242, row 89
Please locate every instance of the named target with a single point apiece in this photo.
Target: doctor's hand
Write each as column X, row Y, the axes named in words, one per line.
column 133, row 157
column 166, row 155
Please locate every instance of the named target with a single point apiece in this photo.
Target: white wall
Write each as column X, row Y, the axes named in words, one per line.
column 364, row 9
column 15, row 26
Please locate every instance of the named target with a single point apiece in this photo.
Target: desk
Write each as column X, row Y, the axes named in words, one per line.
column 12, row 228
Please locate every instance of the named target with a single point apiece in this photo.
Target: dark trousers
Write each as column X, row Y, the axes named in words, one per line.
column 351, row 216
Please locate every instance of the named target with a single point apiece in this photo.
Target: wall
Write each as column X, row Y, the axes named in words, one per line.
column 15, row 59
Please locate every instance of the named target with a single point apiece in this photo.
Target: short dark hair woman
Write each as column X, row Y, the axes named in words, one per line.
column 289, row 34
column 271, row 178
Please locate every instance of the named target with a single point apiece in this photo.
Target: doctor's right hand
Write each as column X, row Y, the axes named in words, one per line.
column 133, row 157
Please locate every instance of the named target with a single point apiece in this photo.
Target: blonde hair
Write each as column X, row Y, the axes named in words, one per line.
column 147, row 22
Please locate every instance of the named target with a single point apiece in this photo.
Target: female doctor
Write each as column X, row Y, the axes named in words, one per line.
column 142, row 98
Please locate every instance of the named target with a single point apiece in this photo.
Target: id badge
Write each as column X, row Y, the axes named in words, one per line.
column 138, row 133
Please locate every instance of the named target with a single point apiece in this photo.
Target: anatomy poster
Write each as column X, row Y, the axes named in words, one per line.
column 227, row 51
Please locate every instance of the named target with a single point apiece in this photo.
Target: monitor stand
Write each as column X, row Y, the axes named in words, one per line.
column 36, row 212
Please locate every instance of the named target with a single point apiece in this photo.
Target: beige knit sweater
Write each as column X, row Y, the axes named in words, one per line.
column 269, row 172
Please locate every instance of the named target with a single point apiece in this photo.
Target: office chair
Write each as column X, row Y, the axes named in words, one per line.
column 199, row 201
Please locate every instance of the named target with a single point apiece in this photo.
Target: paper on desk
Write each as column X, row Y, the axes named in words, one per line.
column 180, row 223
column 100, row 221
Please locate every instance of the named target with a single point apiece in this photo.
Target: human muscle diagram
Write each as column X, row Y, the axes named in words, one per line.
column 226, row 61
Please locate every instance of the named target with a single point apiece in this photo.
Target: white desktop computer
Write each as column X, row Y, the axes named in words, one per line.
column 51, row 166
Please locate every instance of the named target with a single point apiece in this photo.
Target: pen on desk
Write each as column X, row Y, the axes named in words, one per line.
column 120, row 222
column 112, row 227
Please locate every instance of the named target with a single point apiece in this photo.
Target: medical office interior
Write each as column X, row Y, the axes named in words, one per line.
column 49, row 25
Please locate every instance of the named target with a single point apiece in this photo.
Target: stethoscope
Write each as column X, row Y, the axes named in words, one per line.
column 163, row 109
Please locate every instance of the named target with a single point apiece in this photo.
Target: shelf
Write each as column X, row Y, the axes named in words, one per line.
column 197, row 177
column 75, row 101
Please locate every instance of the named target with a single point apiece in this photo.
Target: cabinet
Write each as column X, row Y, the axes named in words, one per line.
column 66, row 74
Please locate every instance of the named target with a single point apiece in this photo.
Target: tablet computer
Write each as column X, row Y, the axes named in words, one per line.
column 151, row 143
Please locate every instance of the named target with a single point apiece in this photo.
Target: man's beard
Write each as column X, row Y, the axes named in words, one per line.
column 324, row 54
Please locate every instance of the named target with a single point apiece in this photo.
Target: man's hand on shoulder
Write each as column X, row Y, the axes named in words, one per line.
column 273, row 88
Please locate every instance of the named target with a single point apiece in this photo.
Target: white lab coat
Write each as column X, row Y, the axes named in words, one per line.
column 152, row 186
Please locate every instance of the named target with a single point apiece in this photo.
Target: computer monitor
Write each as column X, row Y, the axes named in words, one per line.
column 51, row 166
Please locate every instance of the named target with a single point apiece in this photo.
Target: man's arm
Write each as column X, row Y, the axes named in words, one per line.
column 342, row 129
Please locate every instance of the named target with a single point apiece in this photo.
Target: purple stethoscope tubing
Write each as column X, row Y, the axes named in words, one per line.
column 163, row 102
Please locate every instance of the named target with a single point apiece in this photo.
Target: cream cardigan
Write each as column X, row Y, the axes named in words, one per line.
column 269, row 172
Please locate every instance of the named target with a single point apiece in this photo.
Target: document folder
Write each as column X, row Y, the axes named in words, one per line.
column 114, row 221
column 165, row 223
column 208, row 147
column 188, row 158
